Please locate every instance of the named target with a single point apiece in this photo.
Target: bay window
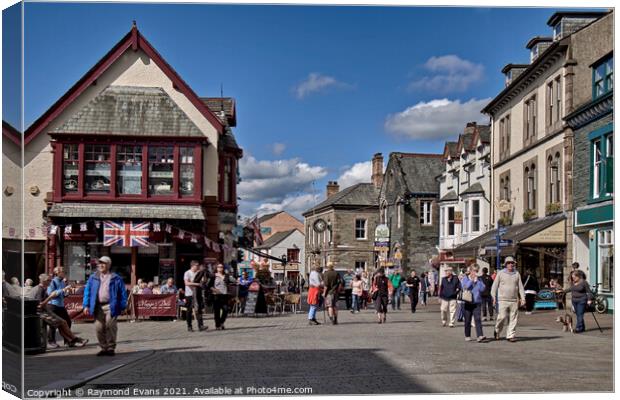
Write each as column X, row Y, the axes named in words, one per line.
column 129, row 170
column 97, row 168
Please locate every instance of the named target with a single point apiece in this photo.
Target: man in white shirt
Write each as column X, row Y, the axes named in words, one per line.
column 192, row 305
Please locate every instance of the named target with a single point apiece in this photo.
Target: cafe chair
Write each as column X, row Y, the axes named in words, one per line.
column 274, row 303
column 292, row 301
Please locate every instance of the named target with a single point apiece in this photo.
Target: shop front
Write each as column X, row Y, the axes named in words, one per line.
column 538, row 245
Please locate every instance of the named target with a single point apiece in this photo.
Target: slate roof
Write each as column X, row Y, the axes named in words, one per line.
column 420, row 170
column 131, row 110
column 275, row 239
column 228, row 139
column 450, row 196
column 475, row 188
column 484, row 133
column 219, row 104
column 138, row 211
column 451, row 149
column 361, row 194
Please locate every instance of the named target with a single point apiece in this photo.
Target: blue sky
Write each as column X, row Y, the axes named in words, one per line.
column 318, row 89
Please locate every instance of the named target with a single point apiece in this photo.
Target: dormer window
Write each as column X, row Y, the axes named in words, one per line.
column 508, row 77
column 534, row 53
column 557, row 31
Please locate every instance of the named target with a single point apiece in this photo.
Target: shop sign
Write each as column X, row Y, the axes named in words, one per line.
column 555, row 234
column 382, row 233
column 458, row 217
column 155, row 305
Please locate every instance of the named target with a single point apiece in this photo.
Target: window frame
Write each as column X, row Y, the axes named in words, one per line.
column 605, row 240
column 426, row 212
column 357, row 229
column 474, row 216
column 114, row 195
column 606, row 78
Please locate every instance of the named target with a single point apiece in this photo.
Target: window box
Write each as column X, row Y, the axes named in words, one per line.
column 553, row 208
column 529, row 214
column 505, row 221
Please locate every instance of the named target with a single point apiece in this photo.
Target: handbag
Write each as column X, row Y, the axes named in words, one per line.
column 466, row 296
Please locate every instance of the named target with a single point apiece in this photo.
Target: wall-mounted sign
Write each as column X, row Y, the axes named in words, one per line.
column 382, row 233
column 458, row 217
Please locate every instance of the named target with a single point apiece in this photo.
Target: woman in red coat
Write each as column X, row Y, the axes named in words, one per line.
column 315, row 285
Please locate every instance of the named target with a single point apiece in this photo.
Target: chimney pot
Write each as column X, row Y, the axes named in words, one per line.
column 332, row 188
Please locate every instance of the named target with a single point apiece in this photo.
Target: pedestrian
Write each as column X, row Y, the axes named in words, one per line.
column 487, row 300
column 105, row 297
column 332, row 285
column 396, row 280
column 471, row 282
column 365, row 290
column 581, row 296
column 413, row 284
column 449, row 288
column 52, row 320
column 219, row 288
column 56, row 305
column 244, row 289
column 169, row 287
column 380, row 292
column 530, row 288
column 138, row 287
column 149, row 288
column 357, row 287
column 508, row 293
column 348, row 289
column 315, row 284
column 423, row 288
column 193, row 306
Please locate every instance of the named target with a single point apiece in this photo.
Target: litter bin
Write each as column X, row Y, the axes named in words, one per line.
column 33, row 330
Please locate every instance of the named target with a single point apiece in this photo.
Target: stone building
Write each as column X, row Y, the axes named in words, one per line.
column 409, row 207
column 130, row 146
column 341, row 228
column 593, row 166
column 289, row 244
column 464, row 190
column 532, row 146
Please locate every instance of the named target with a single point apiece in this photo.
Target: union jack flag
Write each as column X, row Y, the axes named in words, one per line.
column 126, row 234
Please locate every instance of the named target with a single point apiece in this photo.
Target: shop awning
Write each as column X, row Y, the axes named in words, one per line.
column 129, row 211
column 544, row 231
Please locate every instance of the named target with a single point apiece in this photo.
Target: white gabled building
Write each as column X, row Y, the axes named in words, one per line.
column 290, row 243
column 464, row 188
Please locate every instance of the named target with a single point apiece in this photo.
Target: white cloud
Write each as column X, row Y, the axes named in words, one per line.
column 276, row 185
column 358, row 173
column 448, row 73
column 437, row 119
column 316, row 83
column 278, row 148
column 294, row 205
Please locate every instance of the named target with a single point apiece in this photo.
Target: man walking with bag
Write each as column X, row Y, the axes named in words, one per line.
column 508, row 293
column 449, row 289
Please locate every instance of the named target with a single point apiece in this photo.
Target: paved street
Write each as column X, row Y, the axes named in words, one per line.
column 410, row 354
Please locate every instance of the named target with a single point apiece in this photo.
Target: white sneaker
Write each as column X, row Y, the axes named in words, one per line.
column 528, row 313
column 444, row 323
column 451, row 325
column 468, row 339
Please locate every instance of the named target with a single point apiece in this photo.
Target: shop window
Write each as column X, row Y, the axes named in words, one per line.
column 426, row 212
column 360, row 229
column 161, row 170
column 97, row 168
column 129, row 169
column 187, row 170
column 75, row 260
column 606, row 259
column 70, row 168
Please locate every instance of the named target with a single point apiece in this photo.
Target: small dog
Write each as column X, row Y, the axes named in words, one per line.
column 567, row 323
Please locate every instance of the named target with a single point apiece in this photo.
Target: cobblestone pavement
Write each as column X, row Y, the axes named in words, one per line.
column 412, row 353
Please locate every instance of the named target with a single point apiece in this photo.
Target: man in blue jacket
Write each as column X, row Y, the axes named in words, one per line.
column 105, row 297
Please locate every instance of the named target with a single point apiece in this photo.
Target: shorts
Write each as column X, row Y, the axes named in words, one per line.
column 331, row 300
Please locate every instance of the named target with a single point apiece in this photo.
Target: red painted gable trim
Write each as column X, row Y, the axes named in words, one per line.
column 135, row 40
column 11, row 133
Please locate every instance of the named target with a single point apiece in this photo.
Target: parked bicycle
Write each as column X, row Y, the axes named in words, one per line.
column 600, row 302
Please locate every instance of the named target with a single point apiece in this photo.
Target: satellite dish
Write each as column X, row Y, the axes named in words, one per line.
column 504, row 206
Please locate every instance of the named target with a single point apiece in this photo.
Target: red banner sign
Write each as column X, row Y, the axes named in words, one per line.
column 155, row 305
column 73, row 304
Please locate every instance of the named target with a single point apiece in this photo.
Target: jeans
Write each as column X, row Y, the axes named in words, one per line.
column 220, row 309
column 424, row 294
column 348, row 297
column 413, row 296
column 580, row 309
column 472, row 310
column 487, row 304
column 396, row 299
column 194, row 306
column 356, row 302
column 312, row 312
column 530, row 299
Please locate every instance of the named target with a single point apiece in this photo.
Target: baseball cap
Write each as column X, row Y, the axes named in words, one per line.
column 509, row 259
column 105, row 259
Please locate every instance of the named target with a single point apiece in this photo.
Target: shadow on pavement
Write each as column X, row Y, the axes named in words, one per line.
column 324, row 371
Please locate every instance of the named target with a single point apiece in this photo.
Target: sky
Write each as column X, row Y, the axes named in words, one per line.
column 319, row 90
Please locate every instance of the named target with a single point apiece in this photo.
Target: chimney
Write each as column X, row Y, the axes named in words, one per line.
column 332, row 188
column 377, row 170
